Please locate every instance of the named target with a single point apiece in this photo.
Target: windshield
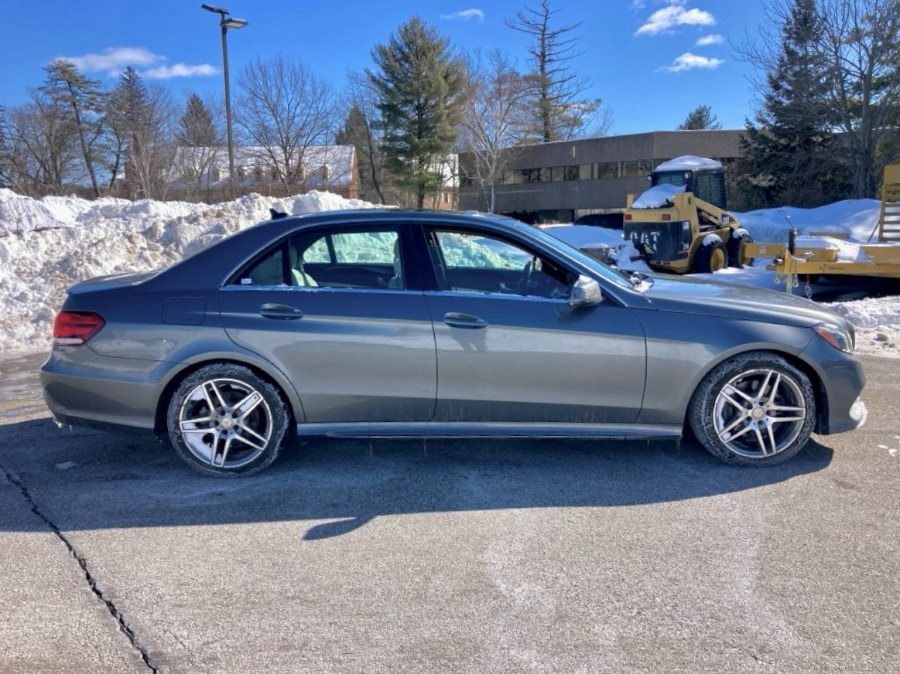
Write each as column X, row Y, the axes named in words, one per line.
column 602, row 270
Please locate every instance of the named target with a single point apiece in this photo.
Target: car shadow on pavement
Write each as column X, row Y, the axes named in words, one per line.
column 86, row 480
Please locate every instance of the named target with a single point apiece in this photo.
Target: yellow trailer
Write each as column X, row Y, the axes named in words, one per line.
column 878, row 259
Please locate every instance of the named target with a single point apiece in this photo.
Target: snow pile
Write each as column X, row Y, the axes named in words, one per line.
column 660, row 196
column 47, row 245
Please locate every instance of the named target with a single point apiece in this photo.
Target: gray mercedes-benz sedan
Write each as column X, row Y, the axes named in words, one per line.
column 411, row 323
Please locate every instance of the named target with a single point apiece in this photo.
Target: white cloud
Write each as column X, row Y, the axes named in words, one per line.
column 688, row 61
column 675, row 14
column 708, row 40
column 179, row 70
column 465, row 15
column 113, row 61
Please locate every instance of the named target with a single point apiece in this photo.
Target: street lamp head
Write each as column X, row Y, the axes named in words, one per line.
column 231, row 22
column 217, row 10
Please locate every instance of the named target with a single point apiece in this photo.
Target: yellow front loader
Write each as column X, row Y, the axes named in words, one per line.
column 680, row 224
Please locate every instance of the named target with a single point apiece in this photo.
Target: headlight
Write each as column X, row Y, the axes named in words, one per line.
column 837, row 337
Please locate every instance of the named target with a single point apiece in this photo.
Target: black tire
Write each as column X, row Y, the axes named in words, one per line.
column 737, row 250
column 224, row 420
column 755, row 409
column 711, row 256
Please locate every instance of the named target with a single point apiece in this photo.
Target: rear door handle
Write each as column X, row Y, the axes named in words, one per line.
column 280, row 311
column 457, row 320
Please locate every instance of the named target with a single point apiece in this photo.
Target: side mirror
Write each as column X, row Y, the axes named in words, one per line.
column 585, row 293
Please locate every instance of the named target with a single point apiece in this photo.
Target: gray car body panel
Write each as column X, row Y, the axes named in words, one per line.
column 377, row 360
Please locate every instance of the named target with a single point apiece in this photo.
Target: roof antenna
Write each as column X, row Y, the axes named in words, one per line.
column 277, row 215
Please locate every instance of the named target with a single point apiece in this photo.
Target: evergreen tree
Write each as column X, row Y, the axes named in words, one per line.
column 787, row 150
column 196, row 127
column 82, row 96
column 357, row 131
column 421, row 86
column 138, row 119
column 700, row 118
column 199, row 142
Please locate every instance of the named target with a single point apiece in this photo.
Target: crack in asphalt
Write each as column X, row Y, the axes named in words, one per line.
column 89, row 577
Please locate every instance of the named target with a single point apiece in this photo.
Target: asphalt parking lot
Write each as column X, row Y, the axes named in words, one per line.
column 475, row 556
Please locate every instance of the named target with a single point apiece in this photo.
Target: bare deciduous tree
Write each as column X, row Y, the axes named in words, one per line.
column 557, row 91
column 495, row 122
column 40, row 154
column 284, row 109
column 862, row 39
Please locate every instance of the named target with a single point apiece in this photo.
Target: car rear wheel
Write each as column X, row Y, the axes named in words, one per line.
column 711, row 256
column 224, row 420
column 755, row 409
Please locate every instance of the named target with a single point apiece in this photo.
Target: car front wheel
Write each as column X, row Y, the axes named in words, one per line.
column 755, row 409
column 224, row 420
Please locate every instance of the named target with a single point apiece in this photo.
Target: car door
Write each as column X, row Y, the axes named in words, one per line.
column 511, row 349
column 358, row 346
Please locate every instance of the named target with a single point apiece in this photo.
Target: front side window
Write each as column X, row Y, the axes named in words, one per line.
column 474, row 262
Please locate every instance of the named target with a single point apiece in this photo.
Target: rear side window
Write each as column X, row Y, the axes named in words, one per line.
column 365, row 258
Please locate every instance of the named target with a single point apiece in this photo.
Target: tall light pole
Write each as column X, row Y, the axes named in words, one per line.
column 225, row 23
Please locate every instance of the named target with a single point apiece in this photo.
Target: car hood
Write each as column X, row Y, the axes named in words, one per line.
column 728, row 300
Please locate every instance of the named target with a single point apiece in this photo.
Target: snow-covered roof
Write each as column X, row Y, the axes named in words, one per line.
column 689, row 162
column 337, row 160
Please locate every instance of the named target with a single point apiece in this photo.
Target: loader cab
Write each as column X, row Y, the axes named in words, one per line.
column 706, row 184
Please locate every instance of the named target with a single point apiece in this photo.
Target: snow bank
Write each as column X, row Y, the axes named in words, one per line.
column 48, row 244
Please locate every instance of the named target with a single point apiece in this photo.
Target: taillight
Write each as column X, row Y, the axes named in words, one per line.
column 71, row 328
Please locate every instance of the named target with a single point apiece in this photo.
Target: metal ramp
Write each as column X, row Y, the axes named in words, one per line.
column 889, row 218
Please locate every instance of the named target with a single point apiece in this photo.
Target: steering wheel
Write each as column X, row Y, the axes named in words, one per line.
column 523, row 285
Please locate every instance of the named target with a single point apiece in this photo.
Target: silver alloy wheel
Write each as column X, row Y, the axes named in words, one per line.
column 225, row 423
column 759, row 413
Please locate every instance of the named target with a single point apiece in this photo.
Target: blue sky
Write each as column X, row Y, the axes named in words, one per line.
column 650, row 61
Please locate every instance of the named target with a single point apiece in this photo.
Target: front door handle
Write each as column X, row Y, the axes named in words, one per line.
column 458, row 320
column 280, row 311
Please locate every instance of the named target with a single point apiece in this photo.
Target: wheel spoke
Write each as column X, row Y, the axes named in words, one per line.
column 734, row 389
column 227, row 448
column 736, row 403
column 247, row 431
column 772, row 443
column 214, row 387
column 737, row 422
column 194, row 422
column 247, row 405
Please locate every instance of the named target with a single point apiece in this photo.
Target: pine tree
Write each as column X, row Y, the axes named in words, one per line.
column 196, row 126
column 138, row 117
column 421, row 85
column 700, row 118
column 787, row 150
column 84, row 99
column 357, row 131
